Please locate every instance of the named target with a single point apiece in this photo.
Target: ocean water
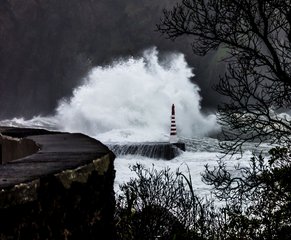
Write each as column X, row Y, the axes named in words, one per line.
column 130, row 101
column 199, row 152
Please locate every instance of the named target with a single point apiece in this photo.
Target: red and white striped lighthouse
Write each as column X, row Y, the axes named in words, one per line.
column 173, row 133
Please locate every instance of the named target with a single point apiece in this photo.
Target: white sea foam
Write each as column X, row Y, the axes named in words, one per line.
column 192, row 163
column 130, row 101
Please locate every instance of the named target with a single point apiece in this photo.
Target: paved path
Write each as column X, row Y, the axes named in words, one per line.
column 58, row 152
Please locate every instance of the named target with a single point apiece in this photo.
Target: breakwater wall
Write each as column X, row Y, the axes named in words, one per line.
column 63, row 191
column 158, row 150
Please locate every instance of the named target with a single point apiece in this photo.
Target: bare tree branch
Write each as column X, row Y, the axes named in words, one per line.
column 257, row 82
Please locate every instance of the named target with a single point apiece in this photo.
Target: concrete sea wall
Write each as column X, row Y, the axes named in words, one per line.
column 157, row 150
column 63, row 191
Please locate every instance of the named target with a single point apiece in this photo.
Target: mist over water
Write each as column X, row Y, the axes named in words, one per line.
column 130, row 101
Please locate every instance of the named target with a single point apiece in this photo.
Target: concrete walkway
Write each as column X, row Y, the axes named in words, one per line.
column 58, row 152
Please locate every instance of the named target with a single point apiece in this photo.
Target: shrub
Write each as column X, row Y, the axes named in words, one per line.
column 255, row 202
column 161, row 205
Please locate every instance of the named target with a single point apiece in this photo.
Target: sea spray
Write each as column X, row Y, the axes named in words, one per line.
column 130, row 101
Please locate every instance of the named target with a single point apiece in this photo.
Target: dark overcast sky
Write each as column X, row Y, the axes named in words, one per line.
column 46, row 47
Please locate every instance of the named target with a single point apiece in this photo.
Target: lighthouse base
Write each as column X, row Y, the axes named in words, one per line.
column 180, row 145
column 158, row 150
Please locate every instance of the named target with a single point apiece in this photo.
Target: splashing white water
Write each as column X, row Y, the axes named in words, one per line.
column 131, row 101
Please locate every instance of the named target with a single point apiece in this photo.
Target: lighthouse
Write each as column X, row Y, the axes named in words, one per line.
column 173, row 132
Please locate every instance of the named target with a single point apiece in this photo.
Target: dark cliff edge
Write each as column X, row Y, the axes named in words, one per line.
column 63, row 191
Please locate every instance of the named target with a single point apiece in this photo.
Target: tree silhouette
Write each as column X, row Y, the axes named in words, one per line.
column 256, row 37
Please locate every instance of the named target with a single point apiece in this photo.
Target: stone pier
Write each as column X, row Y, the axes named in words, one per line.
column 63, row 189
column 158, row 150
